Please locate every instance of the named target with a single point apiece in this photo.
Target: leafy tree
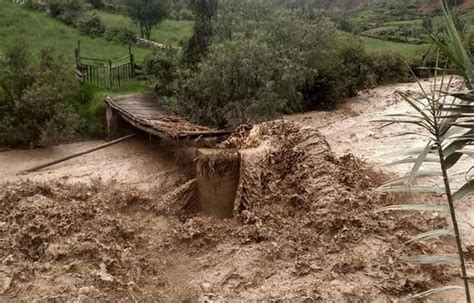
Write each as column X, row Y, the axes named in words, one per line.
column 36, row 100
column 68, row 11
column 264, row 63
column 147, row 14
column 96, row 3
column 198, row 44
column 121, row 34
column 254, row 60
column 91, row 24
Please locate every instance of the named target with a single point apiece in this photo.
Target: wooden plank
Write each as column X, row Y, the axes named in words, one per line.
column 93, row 59
column 102, row 146
column 158, row 123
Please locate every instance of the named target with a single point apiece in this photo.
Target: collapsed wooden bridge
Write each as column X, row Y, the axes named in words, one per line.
column 144, row 113
column 212, row 191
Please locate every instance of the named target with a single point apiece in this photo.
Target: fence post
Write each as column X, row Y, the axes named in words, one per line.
column 110, row 72
column 76, row 55
column 132, row 62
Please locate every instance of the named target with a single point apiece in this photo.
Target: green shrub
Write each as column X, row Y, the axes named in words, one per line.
column 388, row 68
column 90, row 24
column 264, row 61
column 183, row 14
column 36, row 100
column 121, row 34
column 35, row 5
column 98, row 4
column 162, row 66
column 239, row 82
column 283, row 63
column 68, row 11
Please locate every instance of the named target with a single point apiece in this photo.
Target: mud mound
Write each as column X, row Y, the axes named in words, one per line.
column 305, row 230
column 75, row 243
column 309, row 224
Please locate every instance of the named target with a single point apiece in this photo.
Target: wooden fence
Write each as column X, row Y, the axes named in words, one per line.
column 106, row 73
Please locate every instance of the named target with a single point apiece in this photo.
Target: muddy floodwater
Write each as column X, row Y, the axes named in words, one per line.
column 115, row 225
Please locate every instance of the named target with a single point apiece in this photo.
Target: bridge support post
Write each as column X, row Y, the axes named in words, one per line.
column 112, row 123
column 218, row 175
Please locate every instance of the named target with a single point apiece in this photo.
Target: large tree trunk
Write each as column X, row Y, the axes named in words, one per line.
column 148, row 31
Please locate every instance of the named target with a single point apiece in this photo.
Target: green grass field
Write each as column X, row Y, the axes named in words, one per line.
column 169, row 32
column 414, row 22
column 410, row 52
column 40, row 30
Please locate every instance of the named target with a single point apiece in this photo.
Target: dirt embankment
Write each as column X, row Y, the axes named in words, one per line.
column 306, row 229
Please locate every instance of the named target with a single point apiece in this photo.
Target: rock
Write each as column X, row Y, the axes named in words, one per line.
column 103, row 274
column 5, row 283
column 206, row 287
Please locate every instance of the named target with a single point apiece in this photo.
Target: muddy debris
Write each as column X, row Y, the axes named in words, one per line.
column 305, row 229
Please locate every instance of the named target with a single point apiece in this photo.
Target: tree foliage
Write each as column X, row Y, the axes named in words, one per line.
column 68, row 11
column 263, row 61
column 198, row 44
column 147, row 14
column 90, row 24
column 35, row 100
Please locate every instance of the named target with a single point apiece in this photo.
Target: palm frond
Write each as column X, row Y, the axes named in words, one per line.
column 464, row 191
column 411, row 189
column 439, row 259
column 433, row 234
column 416, row 207
column 410, row 160
column 436, row 290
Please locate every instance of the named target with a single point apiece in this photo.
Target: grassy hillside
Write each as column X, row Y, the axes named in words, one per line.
column 169, row 32
column 410, row 52
column 40, row 31
column 398, row 22
column 421, row 5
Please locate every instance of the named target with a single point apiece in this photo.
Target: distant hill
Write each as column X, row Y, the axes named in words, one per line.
column 354, row 5
column 463, row 5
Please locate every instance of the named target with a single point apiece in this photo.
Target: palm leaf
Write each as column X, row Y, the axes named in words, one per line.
column 416, row 207
column 407, row 152
column 439, row 259
column 412, row 189
column 436, row 290
column 418, row 175
column 464, row 191
column 434, row 234
column 467, row 96
column 419, row 162
column 457, row 144
column 410, row 160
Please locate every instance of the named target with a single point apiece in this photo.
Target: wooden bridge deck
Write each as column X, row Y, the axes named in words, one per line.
column 145, row 113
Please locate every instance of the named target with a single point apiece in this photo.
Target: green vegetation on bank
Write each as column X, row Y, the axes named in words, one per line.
column 42, row 103
column 168, row 32
column 250, row 61
column 413, row 53
column 41, row 31
column 241, row 62
column 92, row 108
